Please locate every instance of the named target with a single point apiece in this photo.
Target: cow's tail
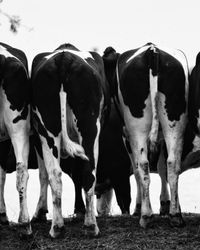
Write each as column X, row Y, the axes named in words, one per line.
column 153, row 79
column 68, row 147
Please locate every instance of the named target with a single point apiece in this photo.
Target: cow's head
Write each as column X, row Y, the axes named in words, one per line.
column 110, row 58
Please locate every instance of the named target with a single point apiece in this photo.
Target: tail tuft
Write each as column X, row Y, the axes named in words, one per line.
column 68, row 147
column 73, row 149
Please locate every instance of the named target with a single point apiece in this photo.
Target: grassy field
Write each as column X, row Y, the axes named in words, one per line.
column 117, row 232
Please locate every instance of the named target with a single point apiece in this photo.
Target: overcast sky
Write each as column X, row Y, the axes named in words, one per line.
column 124, row 24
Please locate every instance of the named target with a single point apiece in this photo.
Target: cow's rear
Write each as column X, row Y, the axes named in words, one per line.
column 68, row 102
column 15, row 124
column 151, row 87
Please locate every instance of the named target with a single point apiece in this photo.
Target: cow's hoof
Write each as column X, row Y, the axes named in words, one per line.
column 25, row 231
column 146, row 220
column 57, row 232
column 176, row 220
column 164, row 208
column 40, row 217
column 91, row 230
column 137, row 211
column 4, row 219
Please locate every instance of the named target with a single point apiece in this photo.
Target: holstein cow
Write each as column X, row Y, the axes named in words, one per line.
column 194, row 96
column 15, row 123
column 69, row 103
column 113, row 172
column 114, row 167
column 190, row 159
column 150, row 86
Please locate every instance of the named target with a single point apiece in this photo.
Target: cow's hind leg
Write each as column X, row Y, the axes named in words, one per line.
column 173, row 134
column 104, row 203
column 54, row 171
column 21, row 148
column 138, row 204
column 19, row 130
column 173, row 170
column 77, row 170
column 139, row 149
column 164, row 195
column 122, row 188
column 138, row 130
column 5, row 149
column 137, row 210
column 42, row 209
column 91, row 142
column 3, row 214
column 90, row 223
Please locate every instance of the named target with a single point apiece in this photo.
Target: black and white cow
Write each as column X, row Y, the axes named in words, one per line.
column 69, row 97
column 194, row 94
column 113, row 171
column 114, row 167
column 190, row 159
column 15, row 124
column 150, row 86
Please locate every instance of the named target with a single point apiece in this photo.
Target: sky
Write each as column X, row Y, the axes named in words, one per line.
column 89, row 24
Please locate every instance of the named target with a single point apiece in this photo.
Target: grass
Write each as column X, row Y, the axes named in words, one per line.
column 117, row 232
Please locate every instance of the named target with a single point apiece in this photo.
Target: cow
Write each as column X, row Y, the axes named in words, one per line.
column 150, row 86
column 15, row 124
column 113, row 171
column 70, row 101
column 194, row 93
column 114, row 166
column 190, row 159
